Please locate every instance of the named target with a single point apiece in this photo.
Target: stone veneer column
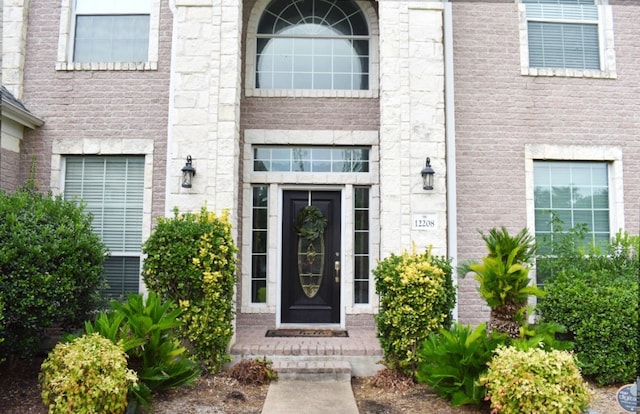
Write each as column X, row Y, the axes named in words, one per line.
column 205, row 104
column 412, row 124
column 14, row 38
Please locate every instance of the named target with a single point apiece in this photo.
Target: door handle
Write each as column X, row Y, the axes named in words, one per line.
column 336, row 266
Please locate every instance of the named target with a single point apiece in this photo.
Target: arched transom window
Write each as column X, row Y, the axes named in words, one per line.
column 312, row 44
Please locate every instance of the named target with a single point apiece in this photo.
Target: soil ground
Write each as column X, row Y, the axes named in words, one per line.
column 220, row 394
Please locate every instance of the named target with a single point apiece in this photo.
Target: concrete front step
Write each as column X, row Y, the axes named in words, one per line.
column 361, row 350
column 301, row 370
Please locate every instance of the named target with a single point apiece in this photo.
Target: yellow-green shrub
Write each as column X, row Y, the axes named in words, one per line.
column 416, row 298
column 535, row 381
column 191, row 260
column 88, row 375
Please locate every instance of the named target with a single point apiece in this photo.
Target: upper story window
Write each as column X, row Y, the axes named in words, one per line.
column 109, row 35
column 115, row 31
column 312, row 44
column 567, row 38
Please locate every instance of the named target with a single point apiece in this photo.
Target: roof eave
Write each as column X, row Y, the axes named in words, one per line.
column 15, row 113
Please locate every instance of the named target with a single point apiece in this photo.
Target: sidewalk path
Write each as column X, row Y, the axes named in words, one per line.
column 310, row 397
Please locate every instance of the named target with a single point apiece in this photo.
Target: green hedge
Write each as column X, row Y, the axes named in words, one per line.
column 51, row 267
column 595, row 296
column 601, row 316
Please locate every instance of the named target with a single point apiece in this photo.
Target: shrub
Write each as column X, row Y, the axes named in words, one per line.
column 601, row 316
column 253, row 371
column 504, row 278
column 87, row 375
column 451, row 362
column 534, row 381
column 51, row 267
column 595, row 297
column 191, row 260
column 416, row 298
column 146, row 331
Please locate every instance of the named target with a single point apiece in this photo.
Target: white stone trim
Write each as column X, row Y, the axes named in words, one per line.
column 607, row 50
column 11, row 137
column 65, row 43
column 250, row 61
column 610, row 154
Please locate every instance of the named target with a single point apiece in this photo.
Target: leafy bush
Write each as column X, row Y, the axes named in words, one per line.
column 416, row 298
column 146, row 331
column 535, row 381
column 601, row 316
column 191, row 260
column 253, row 371
column 596, row 298
column 51, row 267
column 452, row 361
column 88, row 375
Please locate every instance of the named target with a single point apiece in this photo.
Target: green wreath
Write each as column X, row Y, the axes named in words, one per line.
column 310, row 223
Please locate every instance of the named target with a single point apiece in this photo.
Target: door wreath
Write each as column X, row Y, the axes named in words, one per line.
column 310, row 223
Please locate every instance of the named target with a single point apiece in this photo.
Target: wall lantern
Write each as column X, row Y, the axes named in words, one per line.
column 187, row 173
column 427, row 175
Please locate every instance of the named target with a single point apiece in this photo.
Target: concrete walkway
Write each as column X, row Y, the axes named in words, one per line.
column 310, row 397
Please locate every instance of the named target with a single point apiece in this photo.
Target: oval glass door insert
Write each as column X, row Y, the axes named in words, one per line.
column 311, row 264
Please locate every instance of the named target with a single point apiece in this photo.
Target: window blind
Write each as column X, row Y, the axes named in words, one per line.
column 563, row 34
column 112, row 189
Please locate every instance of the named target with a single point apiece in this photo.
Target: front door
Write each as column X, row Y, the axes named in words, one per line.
column 311, row 257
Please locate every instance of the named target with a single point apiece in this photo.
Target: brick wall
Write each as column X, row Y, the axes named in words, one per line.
column 498, row 111
column 310, row 113
column 92, row 104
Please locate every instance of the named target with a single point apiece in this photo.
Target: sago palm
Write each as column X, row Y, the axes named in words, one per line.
column 504, row 278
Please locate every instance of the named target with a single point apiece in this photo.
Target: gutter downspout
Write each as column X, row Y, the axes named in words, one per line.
column 170, row 113
column 450, row 145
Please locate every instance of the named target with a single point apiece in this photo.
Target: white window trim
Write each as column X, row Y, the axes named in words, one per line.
column 610, row 154
column 605, row 38
column 65, row 43
column 97, row 146
column 279, row 181
column 250, row 61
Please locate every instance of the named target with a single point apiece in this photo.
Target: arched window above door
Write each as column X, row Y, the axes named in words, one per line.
column 320, row 45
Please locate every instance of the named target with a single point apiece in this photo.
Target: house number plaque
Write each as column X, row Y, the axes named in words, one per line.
column 424, row 221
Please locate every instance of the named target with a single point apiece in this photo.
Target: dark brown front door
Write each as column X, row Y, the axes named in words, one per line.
column 311, row 258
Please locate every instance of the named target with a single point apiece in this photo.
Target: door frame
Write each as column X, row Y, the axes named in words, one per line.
column 281, row 190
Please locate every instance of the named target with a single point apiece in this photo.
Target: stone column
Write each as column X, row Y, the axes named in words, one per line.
column 14, row 40
column 205, row 104
column 412, row 125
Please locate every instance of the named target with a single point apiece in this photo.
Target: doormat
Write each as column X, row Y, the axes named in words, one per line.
column 308, row 333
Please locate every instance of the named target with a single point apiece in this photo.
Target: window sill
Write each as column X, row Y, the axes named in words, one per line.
column 116, row 66
column 310, row 93
column 569, row 73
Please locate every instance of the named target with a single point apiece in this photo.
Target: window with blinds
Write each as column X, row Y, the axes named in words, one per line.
column 563, row 34
column 111, row 31
column 112, row 189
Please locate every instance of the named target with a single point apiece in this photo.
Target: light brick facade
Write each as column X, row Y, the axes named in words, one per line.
column 499, row 112
column 196, row 96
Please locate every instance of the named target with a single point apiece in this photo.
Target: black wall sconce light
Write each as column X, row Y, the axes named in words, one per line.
column 187, row 173
column 427, row 175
